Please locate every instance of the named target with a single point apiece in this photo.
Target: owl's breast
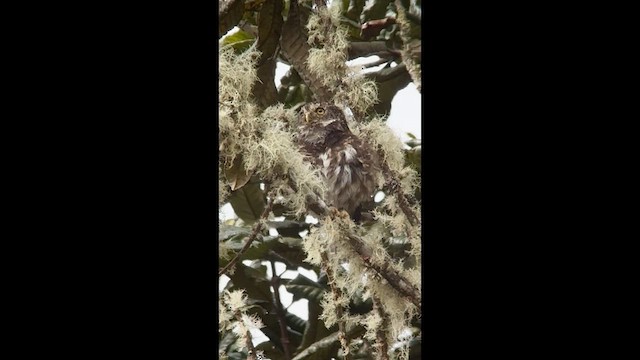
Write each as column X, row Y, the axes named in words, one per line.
column 349, row 180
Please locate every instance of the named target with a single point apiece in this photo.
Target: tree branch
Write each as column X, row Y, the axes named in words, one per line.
column 387, row 74
column 382, row 348
column 269, row 29
column 412, row 66
column 394, row 279
column 369, row 48
column 390, row 80
column 229, row 14
column 376, row 63
column 294, row 46
column 247, row 339
column 337, row 294
column 275, row 284
column 323, row 343
column 314, row 203
column 396, row 189
column 254, row 233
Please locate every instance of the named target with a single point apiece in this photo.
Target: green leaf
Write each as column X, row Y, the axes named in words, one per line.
column 413, row 158
column 279, row 209
column 375, row 10
column 359, row 306
column 240, row 41
column 289, row 228
column 355, row 9
column 411, row 135
column 270, row 351
column 315, row 329
column 249, row 279
column 291, row 250
column 227, row 340
column 415, row 348
column 258, row 252
column 304, row 288
column 296, row 323
column 414, row 142
column 229, row 231
column 248, row 202
column 236, row 174
column 237, row 356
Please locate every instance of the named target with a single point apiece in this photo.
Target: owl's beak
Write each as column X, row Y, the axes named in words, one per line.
column 305, row 111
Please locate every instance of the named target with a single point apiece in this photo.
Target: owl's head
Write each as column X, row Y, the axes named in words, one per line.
column 321, row 114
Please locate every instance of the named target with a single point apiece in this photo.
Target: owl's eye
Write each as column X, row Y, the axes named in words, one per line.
column 320, row 111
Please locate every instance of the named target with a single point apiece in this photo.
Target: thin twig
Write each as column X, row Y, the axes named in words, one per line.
column 247, row 338
column 314, row 203
column 395, row 188
column 326, row 342
column 337, row 294
column 382, row 348
column 254, row 233
column 275, row 283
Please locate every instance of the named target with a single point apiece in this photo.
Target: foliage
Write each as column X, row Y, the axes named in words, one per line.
column 364, row 303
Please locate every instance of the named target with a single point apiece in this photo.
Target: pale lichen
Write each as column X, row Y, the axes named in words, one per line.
column 264, row 140
column 329, row 58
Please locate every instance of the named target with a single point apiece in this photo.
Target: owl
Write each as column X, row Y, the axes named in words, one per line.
column 349, row 166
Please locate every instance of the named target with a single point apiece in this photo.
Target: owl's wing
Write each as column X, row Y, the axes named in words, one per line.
column 366, row 157
column 310, row 154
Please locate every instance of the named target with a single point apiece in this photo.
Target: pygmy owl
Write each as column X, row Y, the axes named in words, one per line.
column 347, row 163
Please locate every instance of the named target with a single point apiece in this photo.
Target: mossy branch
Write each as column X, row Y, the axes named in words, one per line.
column 394, row 279
column 412, row 66
column 382, row 348
column 269, row 30
column 247, row 339
column 293, row 44
column 229, row 14
column 396, row 189
column 254, row 233
column 368, row 48
column 337, row 294
column 326, row 342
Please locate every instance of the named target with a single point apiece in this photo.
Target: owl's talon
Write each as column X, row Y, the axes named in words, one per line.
column 337, row 213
